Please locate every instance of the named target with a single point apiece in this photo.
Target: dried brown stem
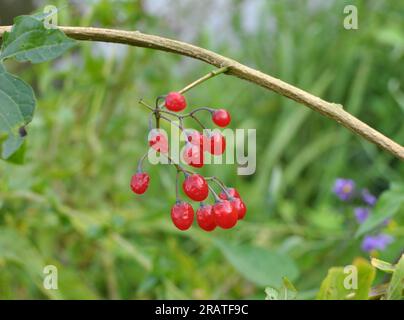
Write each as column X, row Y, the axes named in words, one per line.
column 328, row 109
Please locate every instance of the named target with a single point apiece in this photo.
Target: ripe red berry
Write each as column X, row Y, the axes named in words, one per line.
column 139, row 182
column 221, row 117
column 232, row 191
column 182, row 215
column 193, row 155
column 158, row 141
column 225, row 215
column 216, row 144
column 239, row 207
column 195, row 187
column 175, row 101
column 205, row 218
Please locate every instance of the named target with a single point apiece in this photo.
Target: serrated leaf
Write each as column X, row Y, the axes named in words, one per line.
column 390, row 202
column 29, row 40
column 17, row 104
column 396, row 287
column 339, row 283
column 382, row 265
column 258, row 265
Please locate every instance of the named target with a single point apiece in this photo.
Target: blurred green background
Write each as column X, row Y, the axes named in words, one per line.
column 70, row 204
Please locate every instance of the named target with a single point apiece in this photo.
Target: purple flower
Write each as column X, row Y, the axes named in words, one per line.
column 344, row 188
column 368, row 198
column 361, row 214
column 378, row 242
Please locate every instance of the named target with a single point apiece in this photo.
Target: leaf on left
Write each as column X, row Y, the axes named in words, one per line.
column 29, row 40
column 17, row 104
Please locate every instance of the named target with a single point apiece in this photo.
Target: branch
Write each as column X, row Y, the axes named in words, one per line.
column 330, row 110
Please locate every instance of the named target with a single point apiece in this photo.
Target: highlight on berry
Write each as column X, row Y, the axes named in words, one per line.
column 227, row 206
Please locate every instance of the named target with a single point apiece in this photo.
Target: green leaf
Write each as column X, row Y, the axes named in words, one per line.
column 29, row 40
column 396, row 287
column 18, row 157
column 17, row 104
column 332, row 287
column 382, row 265
column 288, row 290
column 340, row 284
column 390, row 202
column 258, row 265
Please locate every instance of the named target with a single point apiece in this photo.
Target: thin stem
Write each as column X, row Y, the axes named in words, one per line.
column 179, row 168
column 140, row 163
column 172, row 113
column 215, row 196
column 211, row 74
column 157, row 116
column 146, row 105
column 198, row 121
column 331, row 110
column 150, row 122
column 200, row 109
column 180, row 117
column 221, row 185
column 157, row 101
column 172, row 122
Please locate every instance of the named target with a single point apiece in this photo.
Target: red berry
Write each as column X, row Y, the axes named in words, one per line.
column 216, row 145
column 221, row 117
column 195, row 187
column 158, row 141
column 225, row 215
column 193, row 155
column 175, row 101
column 205, row 218
column 182, row 215
column 233, row 193
column 139, row 182
column 239, row 207
column 195, row 137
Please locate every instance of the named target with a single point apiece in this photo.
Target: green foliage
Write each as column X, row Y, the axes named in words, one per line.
column 389, row 204
column 382, row 265
column 286, row 292
column 17, row 104
column 29, row 40
column 261, row 266
column 340, row 283
column 70, row 201
column 395, row 290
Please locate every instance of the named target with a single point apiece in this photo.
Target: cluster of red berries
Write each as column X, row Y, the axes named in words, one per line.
column 228, row 207
column 197, row 143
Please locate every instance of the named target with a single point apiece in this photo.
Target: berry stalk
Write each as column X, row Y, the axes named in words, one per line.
column 208, row 76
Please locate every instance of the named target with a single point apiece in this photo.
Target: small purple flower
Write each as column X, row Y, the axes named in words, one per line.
column 344, row 188
column 368, row 198
column 379, row 242
column 361, row 214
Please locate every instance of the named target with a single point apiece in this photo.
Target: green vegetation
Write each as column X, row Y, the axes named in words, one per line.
column 65, row 198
